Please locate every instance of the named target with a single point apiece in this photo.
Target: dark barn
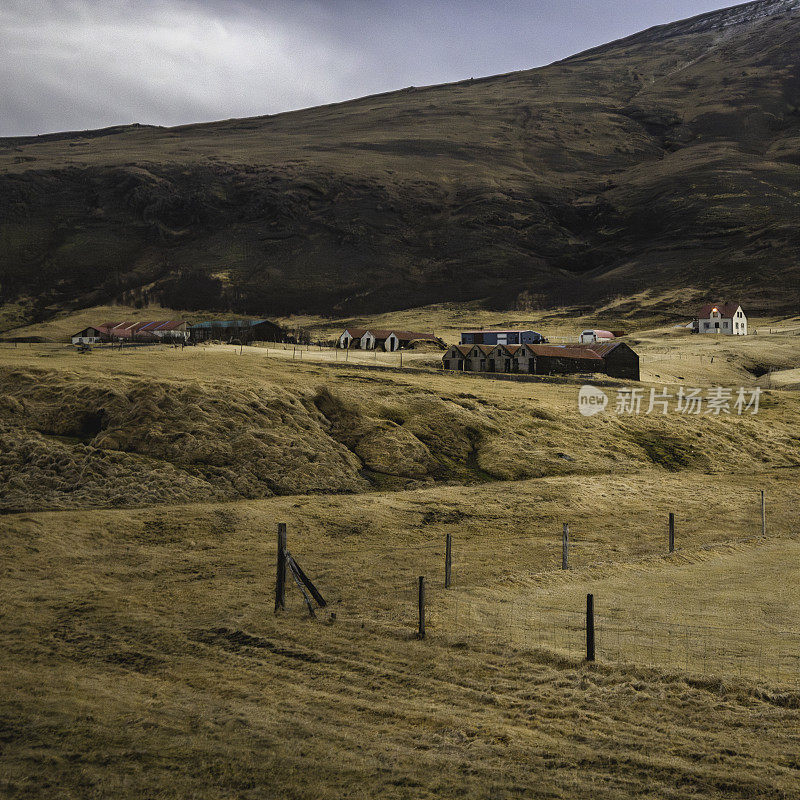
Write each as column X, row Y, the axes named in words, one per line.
column 554, row 359
column 621, row 360
column 237, row 330
column 612, row 358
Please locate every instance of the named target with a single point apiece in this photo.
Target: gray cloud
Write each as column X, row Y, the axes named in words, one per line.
column 77, row 64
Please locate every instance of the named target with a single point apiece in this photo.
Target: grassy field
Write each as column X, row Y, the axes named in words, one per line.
column 139, row 652
column 167, row 674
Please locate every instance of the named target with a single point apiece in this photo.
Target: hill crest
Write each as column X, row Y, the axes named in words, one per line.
column 666, row 161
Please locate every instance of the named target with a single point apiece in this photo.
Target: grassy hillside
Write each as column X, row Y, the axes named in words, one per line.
column 141, row 656
column 666, row 160
column 159, row 425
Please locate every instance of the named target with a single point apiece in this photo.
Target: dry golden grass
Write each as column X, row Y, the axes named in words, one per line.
column 63, row 325
column 208, row 422
column 140, row 656
column 642, row 315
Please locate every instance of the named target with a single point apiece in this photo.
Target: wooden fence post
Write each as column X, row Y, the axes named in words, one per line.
column 590, row 627
column 763, row 514
column 421, row 633
column 448, row 553
column 280, row 578
column 671, row 532
column 565, row 547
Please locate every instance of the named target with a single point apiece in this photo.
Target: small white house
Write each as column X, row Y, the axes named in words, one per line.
column 389, row 340
column 87, row 336
column 725, row 318
column 592, row 336
column 351, row 338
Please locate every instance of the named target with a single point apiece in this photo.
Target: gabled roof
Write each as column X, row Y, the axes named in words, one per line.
column 128, row 331
column 121, row 330
column 601, row 334
column 170, row 325
column 232, row 323
column 603, row 348
column 507, row 330
column 403, row 336
column 110, row 326
column 511, row 349
column 355, row 333
column 409, row 336
column 727, row 310
column 565, row 351
column 464, row 349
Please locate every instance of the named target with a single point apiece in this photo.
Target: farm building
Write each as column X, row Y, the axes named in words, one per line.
column 726, row 318
column 616, row 359
column 389, row 340
column 148, row 331
column 88, row 335
column 593, row 335
column 125, row 331
column 621, row 360
column 238, row 330
column 170, row 330
column 351, row 338
column 502, row 337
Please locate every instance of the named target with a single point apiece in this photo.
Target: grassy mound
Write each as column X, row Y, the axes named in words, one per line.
column 162, row 426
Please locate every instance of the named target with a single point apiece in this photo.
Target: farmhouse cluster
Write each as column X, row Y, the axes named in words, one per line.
column 616, row 359
column 179, row 331
column 389, row 340
column 158, row 331
column 507, row 351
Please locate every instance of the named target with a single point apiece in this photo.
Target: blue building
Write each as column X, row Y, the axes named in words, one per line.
column 502, row 337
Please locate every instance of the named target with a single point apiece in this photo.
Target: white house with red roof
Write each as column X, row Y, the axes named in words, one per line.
column 724, row 318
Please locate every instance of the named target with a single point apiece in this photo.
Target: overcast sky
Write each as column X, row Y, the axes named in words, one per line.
column 79, row 64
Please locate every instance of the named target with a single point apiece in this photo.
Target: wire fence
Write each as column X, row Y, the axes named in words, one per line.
column 620, row 637
column 509, row 590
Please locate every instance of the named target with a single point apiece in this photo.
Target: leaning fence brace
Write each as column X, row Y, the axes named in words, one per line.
column 280, row 579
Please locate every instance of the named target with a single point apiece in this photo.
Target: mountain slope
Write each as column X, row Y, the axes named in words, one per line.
column 670, row 159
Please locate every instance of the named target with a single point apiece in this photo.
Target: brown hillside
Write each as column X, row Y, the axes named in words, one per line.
column 667, row 159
